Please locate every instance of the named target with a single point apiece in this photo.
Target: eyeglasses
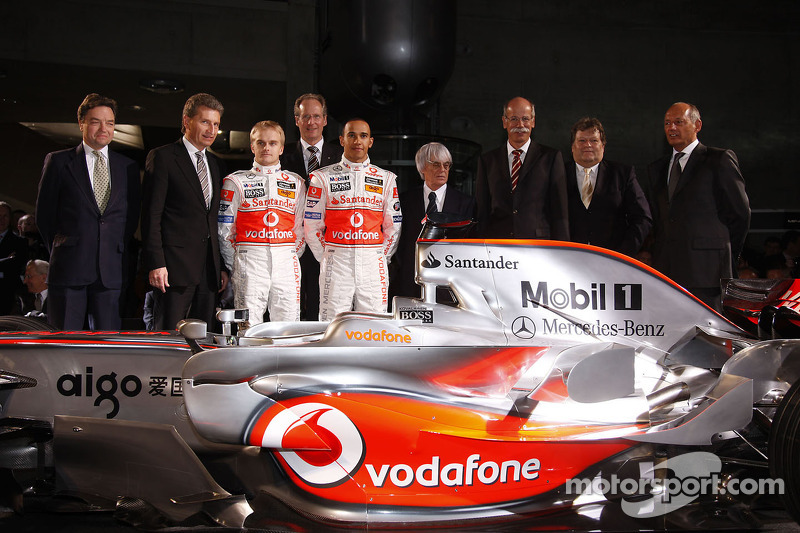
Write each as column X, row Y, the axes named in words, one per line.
column 309, row 118
column 524, row 120
column 439, row 165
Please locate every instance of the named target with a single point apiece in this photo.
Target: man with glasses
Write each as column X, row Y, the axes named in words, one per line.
column 607, row 207
column 433, row 164
column 310, row 153
column 521, row 186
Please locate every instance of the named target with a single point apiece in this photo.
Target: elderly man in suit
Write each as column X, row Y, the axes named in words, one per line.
column 179, row 218
column 13, row 254
column 434, row 195
column 701, row 213
column 310, row 153
column 87, row 211
column 521, row 187
column 607, row 207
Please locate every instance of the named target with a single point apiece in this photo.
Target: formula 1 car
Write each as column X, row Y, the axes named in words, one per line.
column 568, row 386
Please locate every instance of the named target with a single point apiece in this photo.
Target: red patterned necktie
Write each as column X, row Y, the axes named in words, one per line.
column 515, row 166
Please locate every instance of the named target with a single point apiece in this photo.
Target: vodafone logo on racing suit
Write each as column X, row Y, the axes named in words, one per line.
column 271, row 219
column 357, row 220
column 320, row 468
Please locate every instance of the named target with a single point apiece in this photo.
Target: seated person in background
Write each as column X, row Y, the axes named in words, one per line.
column 33, row 302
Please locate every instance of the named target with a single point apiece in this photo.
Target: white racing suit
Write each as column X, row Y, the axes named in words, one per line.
column 260, row 237
column 352, row 224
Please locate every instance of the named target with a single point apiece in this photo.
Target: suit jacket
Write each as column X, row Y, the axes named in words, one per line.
column 536, row 209
column 176, row 226
column 412, row 205
column 699, row 234
column 85, row 245
column 26, row 303
column 292, row 158
column 13, row 256
column 618, row 217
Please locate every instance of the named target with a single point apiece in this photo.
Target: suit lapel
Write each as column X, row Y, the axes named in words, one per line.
column 80, row 173
column 534, row 153
column 697, row 156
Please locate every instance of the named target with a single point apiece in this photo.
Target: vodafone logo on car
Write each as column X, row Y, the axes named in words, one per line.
column 320, row 468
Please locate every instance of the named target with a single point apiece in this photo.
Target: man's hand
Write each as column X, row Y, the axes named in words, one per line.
column 159, row 278
column 223, row 278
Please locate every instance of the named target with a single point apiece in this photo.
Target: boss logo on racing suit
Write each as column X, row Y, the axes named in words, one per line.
column 253, row 193
column 373, row 181
column 373, row 188
column 315, row 192
column 417, row 313
column 339, row 187
column 625, row 296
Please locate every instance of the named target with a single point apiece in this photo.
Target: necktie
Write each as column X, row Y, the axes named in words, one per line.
column 516, row 163
column 674, row 174
column 587, row 189
column 38, row 303
column 431, row 204
column 102, row 188
column 313, row 160
column 202, row 173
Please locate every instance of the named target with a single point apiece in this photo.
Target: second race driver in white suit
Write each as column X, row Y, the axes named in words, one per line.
column 352, row 225
column 261, row 230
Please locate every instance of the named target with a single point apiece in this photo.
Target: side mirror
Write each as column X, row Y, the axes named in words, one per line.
column 192, row 330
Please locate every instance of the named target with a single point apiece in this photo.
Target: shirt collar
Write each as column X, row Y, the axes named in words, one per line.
column 191, row 148
column 88, row 150
column 524, row 147
column 688, row 150
column 355, row 166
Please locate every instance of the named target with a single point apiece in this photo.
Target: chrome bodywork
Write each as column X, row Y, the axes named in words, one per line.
column 550, row 344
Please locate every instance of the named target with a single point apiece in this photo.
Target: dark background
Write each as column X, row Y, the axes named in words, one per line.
column 412, row 67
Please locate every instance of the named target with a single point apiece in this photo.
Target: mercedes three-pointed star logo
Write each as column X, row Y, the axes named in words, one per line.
column 523, row 327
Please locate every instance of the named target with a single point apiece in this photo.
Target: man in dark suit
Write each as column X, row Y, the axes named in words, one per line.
column 87, row 211
column 701, row 213
column 607, row 207
column 13, row 254
column 310, row 153
column 521, row 188
column 433, row 164
column 179, row 218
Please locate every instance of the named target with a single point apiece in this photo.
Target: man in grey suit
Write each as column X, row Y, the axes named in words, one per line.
column 521, row 187
column 701, row 213
column 179, row 218
column 310, row 153
column 87, row 210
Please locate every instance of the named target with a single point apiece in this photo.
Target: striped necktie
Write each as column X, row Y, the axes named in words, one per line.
column 313, row 160
column 588, row 189
column 516, row 164
column 202, row 173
